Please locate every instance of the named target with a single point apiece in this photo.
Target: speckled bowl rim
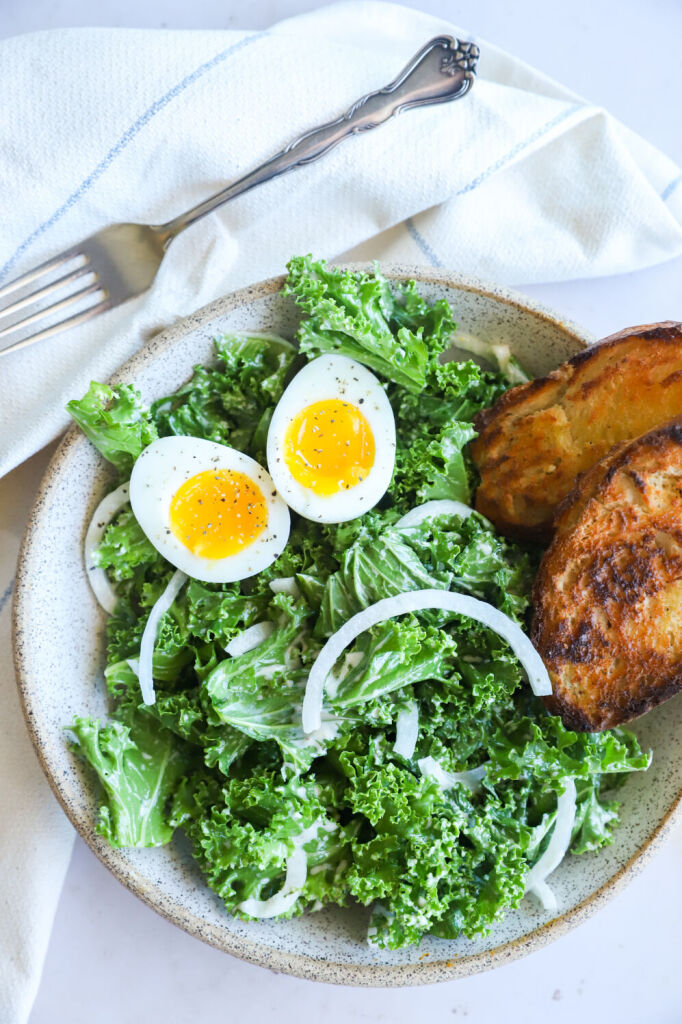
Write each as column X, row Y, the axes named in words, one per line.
column 428, row 971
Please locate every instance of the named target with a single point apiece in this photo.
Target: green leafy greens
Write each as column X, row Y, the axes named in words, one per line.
column 221, row 754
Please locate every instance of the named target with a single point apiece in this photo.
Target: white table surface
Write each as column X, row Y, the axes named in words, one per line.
column 113, row 960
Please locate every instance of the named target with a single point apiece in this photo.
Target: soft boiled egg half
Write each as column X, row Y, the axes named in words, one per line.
column 209, row 510
column 331, row 442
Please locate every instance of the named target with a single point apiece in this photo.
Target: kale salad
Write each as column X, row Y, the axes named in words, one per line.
column 430, row 785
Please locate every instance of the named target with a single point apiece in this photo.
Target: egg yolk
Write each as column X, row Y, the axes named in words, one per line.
column 218, row 513
column 329, row 447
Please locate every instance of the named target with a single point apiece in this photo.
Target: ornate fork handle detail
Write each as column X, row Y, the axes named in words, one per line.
column 425, row 80
column 442, row 71
column 464, row 58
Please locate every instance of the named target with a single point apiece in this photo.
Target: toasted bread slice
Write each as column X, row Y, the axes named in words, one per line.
column 535, row 441
column 608, row 596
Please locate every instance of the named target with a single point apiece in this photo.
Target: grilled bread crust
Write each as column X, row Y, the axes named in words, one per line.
column 608, row 596
column 539, row 436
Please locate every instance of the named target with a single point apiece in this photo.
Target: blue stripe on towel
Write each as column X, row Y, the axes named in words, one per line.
column 422, row 243
column 6, row 596
column 518, row 148
column 501, row 162
column 669, row 189
column 125, row 139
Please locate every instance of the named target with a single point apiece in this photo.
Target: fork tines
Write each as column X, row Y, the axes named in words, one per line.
column 79, row 271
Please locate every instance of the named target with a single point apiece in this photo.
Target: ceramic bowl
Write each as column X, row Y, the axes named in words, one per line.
column 59, row 648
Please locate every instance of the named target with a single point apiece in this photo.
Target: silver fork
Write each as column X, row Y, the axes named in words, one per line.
column 121, row 261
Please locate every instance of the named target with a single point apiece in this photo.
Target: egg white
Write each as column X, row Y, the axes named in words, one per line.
column 161, row 470
column 334, row 377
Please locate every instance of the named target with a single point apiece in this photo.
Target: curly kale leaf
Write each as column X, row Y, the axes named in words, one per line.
column 139, row 767
column 392, row 330
column 231, row 403
column 116, row 422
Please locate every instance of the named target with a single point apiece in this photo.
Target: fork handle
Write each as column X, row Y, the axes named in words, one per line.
column 441, row 71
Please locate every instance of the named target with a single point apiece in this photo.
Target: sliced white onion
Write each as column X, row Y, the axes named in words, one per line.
column 416, row 601
column 508, row 365
column 470, row 343
column 108, row 507
column 285, row 585
column 407, row 730
column 546, row 896
column 444, row 507
column 499, row 355
column 556, row 848
column 327, row 732
column 146, row 665
column 249, row 638
column 297, row 868
column 297, row 873
column 429, row 767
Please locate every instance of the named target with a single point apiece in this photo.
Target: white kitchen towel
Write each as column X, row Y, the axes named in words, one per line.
column 35, row 836
column 521, row 181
